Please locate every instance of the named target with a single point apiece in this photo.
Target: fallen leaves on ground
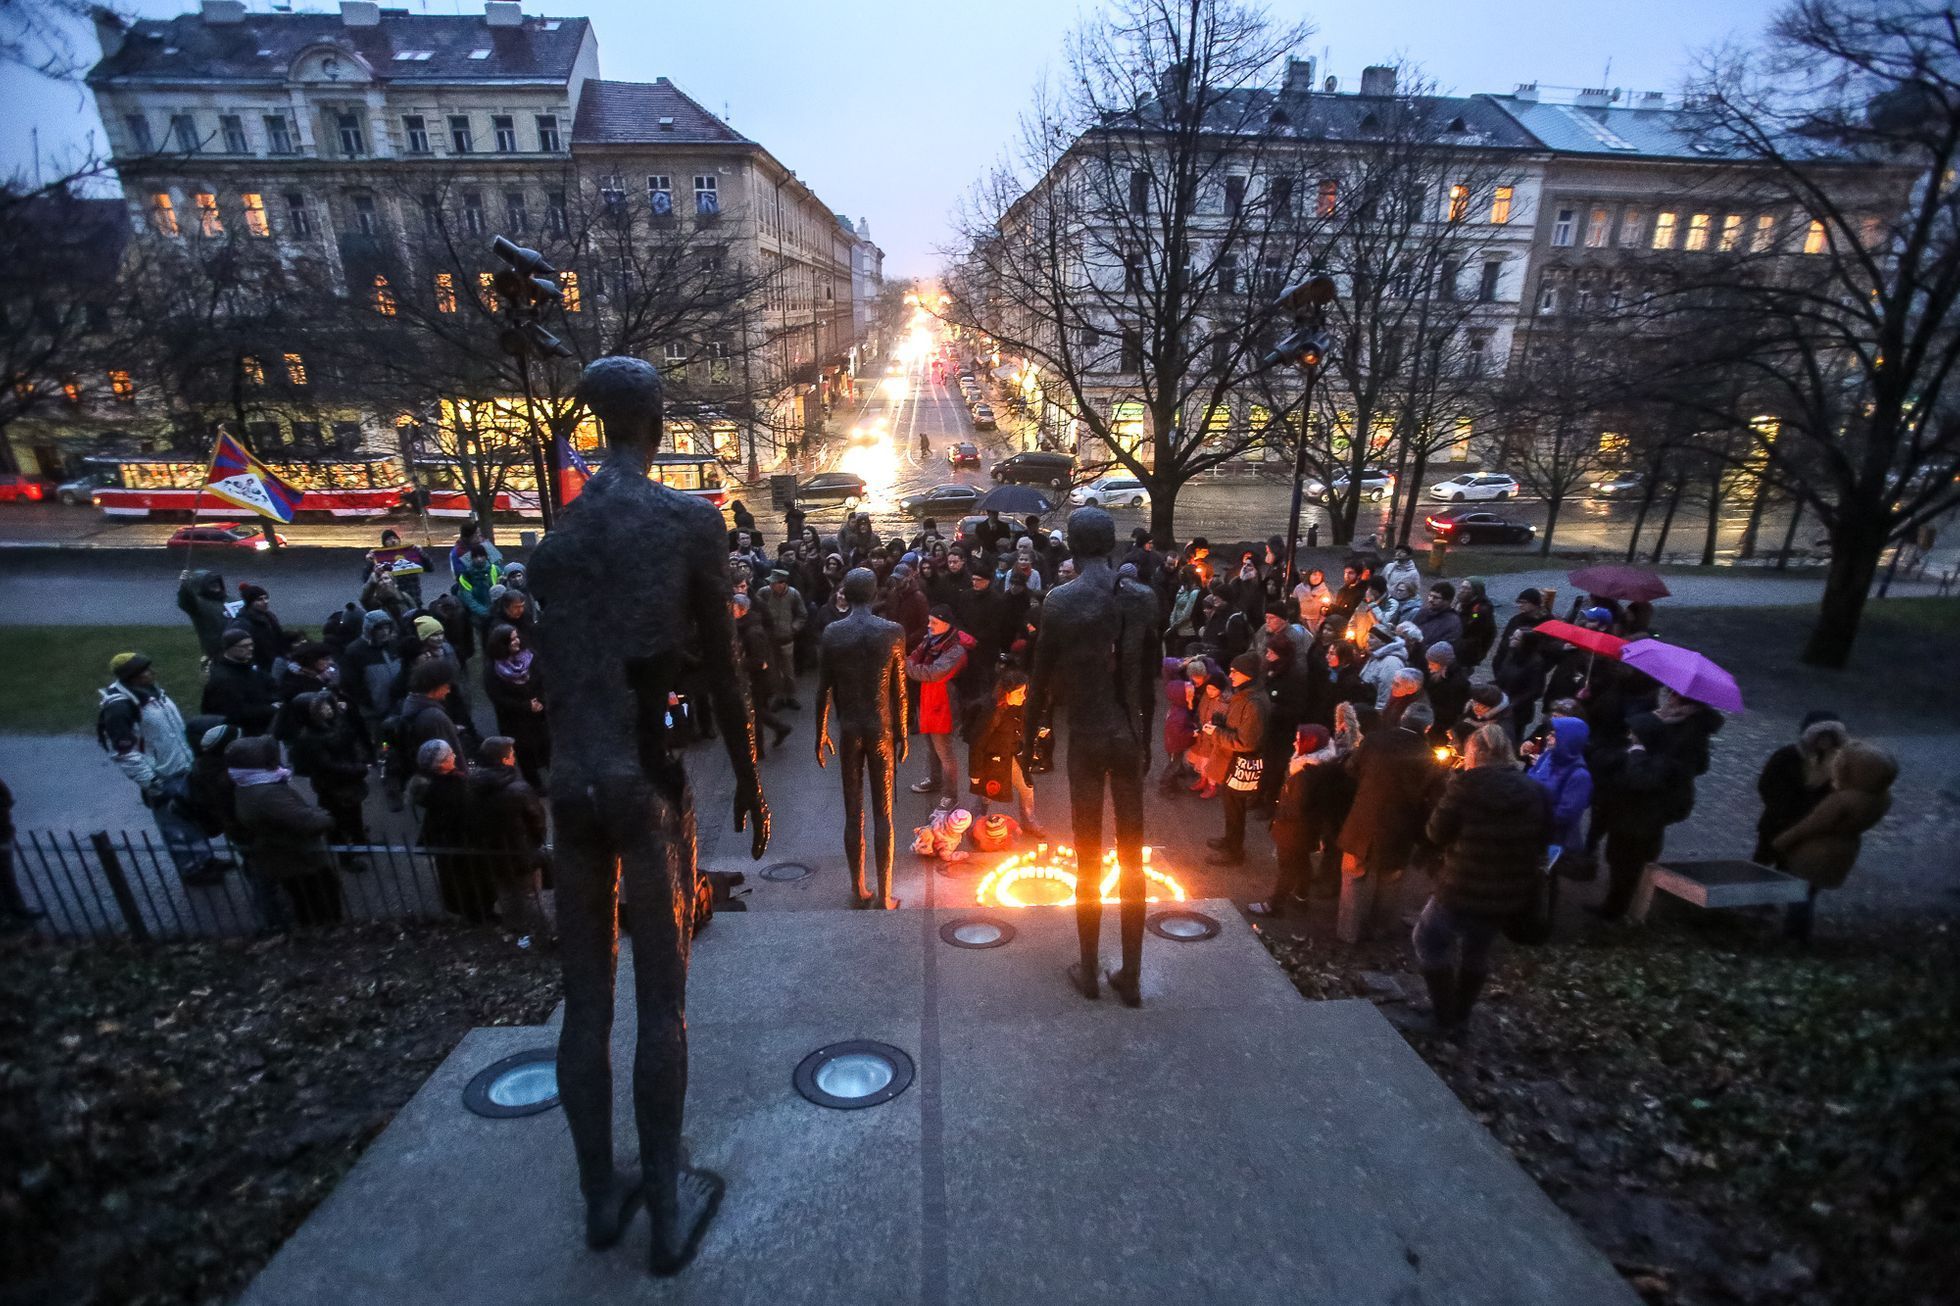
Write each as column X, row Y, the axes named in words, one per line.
column 169, row 1115
column 1729, row 1118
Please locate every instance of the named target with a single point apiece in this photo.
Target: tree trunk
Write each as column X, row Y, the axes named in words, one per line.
column 1789, row 534
column 1647, row 492
column 1552, row 506
column 1855, row 550
column 1746, row 548
column 1667, row 521
column 1163, row 508
column 1410, row 500
column 1715, row 502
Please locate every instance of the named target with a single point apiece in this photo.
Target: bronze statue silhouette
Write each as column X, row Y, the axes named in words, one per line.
column 861, row 666
column 635, row 578
column 1096, row 657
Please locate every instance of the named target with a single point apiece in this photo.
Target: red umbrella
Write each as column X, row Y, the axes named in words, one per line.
column 1597, row 641
column 1615, row 581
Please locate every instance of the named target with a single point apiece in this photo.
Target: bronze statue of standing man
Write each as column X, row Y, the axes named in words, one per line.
column 635, row 577
column 861, row 667
column 1096, row 656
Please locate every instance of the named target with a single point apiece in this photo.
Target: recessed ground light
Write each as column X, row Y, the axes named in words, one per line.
column 787, row 872
column 522, row 1084
column 853, row 1074
column 977, row 932
column 1182, row 926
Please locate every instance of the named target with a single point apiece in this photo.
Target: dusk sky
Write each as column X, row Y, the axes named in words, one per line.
column 890, row 109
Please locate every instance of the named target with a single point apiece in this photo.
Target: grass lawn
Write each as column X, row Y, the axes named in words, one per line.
column 50, row 675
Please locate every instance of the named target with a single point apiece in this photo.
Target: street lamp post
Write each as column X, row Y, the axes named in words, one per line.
column 525, row 285
column 1306, row 347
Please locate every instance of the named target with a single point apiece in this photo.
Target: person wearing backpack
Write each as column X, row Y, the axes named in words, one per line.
column 139, row 725
column 1644, row 788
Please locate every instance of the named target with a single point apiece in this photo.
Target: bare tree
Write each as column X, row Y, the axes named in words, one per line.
column 1134, row 244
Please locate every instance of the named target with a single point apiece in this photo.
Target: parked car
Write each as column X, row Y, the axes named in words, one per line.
column 1111, row 491
column 15, row 488
column 949, row 498
column 845, row 489
column 1375, row 486
column 983, row 418
column 1479, row 526
column 963, row 453
column 1475, row 485
column 1037, row 467
column 223, row 535
column 82, row 489
column 964, row 532
column 1620, row 485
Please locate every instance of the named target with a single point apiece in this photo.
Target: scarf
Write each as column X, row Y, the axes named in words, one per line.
column 258, row 775
column 516, row 668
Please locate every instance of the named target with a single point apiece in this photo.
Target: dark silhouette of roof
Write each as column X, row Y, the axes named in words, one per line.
column 262, row 47
column 647, row 113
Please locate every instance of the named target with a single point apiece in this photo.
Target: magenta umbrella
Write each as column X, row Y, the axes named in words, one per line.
column 1617, row 581
column 1684, row 671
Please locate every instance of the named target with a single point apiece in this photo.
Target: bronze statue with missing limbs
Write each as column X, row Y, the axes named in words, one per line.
column 1096, row 659
column 861, row 670
column 635, row 578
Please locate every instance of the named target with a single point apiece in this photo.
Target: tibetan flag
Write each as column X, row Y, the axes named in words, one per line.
column 573, row 471
column 243, row 481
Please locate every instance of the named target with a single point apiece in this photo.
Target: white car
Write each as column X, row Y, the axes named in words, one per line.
column 1475, row 485
column 1111, row 492
column 1375, row 486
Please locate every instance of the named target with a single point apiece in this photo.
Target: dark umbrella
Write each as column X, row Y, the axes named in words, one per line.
column 1616, row 581
column 1016, row 501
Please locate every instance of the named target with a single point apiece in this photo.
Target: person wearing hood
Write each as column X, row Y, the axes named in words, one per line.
column 1643, row 790
column 369, row 668
column 1394, row 777
column 1492, row 825
column 286, row 836
column 1388, row 653
column 1795, row 779
column 1479, row 618
column 1822, row 846
column 331, row 750
column 310, row 670
column 1187, row 614
column 514, row 684
column 1562, row 772
column 935, row 662
column 508, row 831
column 1401, row 569
column 201, row 595
column 139, row 726
column 208, row 796
column 238, row 688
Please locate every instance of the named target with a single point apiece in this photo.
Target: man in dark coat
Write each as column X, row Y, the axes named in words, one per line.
column 238, row 689
column 1479, row 618
column 507, row 828
column 1394, row 777
column 330, row 749
column 1448, row 688
column 201, row 594
column 1531, row 611
column 270, row 640
column 423, row 716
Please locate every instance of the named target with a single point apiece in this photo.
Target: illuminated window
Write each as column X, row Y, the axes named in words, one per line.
column 384, row 298
column 295, row 370
column 208, row 220
column 71, row 389
column 568, row 286
column 445, row 292
column 122, row 386
column 255, row 221
column 1459, row 202
column 1500, row 205
column 1731, row 238
column 1765, row 233
column 1663, row 231
column 252, row 368
column 486, row 289
column 1697, row 233
column 1330, row 197
column 163, row 215
column 1562, row 227
column 1599, row 223
column 1814, row 239
column 1632, row 227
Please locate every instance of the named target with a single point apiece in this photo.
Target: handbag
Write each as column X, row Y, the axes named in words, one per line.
column 1246, row 771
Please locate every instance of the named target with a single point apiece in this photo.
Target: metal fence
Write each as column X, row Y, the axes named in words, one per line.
column 123, row 884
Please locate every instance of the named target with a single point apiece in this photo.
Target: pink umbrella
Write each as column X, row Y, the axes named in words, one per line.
column 1616, row 581
column 1684, row 671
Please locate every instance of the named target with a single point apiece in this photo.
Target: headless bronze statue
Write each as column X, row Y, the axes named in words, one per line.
column 1096, row 656
column 635, row 577
column 861, row 666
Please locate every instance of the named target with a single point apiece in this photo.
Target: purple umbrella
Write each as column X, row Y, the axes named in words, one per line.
column 1684, row 671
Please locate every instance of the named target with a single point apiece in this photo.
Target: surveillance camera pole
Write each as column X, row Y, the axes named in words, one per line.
column 1306, row 348
column 524, row 286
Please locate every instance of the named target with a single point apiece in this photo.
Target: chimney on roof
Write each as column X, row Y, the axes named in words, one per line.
column 864, row 228
column 1378, row 79
column 360, row 13
column 1651, row 100
column 1171, row 81
column 1595, row 97
column 110, row 30
column 223, row 13
column 1299, row 77
column 503, row 13
column 1527, row 91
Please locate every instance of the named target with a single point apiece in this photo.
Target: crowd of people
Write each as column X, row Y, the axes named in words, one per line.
column 1380, row 723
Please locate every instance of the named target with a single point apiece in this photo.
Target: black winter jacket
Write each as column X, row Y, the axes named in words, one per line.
column 1493, row 825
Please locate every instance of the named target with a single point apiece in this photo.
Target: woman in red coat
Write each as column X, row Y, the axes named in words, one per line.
column 933, row 662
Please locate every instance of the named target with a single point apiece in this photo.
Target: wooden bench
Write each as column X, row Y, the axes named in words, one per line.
column 1716, row 884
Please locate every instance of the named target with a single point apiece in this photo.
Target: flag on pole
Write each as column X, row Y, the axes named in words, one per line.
column 243, row 481
column 573, row 471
